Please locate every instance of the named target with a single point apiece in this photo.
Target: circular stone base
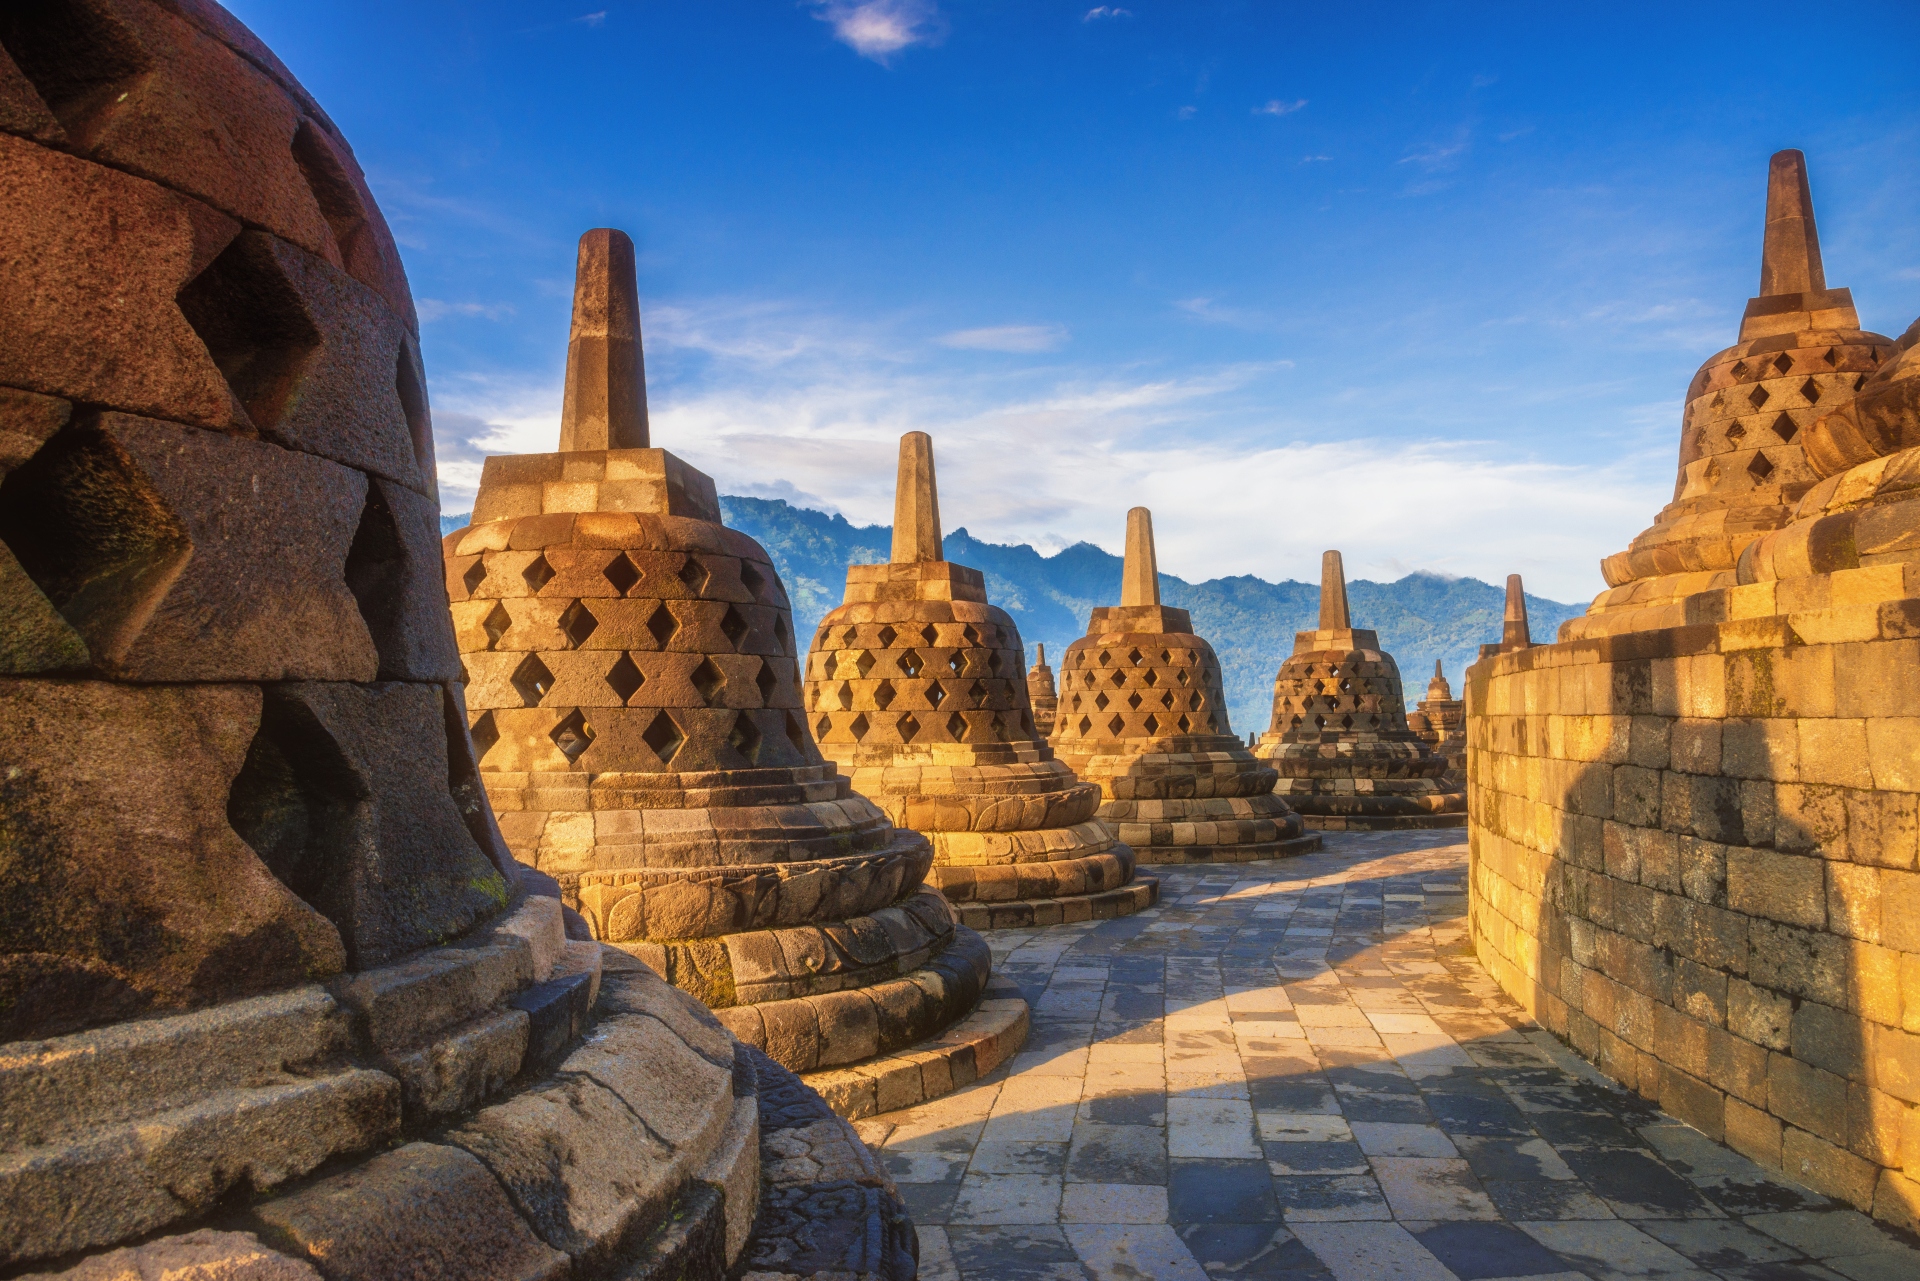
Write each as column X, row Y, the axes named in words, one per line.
column 1380, row 822
column 964, row 1053
column 1250, row 852
column 1136, row 896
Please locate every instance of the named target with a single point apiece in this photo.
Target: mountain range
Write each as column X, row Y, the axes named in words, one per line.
column 1249, row 621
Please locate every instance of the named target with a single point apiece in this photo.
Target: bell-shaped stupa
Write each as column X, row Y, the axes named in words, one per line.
column 637, row 706
column 1042, row 693
column 1440, row 721
column 1339, row 738
column 1143, row 714
column 1743, row 444
column 914, row 689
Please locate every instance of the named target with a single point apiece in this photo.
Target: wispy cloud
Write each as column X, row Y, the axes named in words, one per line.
column 1100, row 11
column 432, row 309
column 1186, row 113
column 1434, row 158
column 878, row 29
column 1014, row 338
column 1308, row 160
column 596, row 19
column 1213, row 312
column 1275, row 107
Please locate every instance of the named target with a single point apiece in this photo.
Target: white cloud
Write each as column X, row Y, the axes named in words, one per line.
column 597, row 19
column 432, row 309
column 1106, row 11
column 878, row 29
column 1275, row 107
column 1013, row 338
column 1307, row 160
column 1186, row 113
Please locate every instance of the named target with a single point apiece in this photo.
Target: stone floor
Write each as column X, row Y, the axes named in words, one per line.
column 1297, row 1070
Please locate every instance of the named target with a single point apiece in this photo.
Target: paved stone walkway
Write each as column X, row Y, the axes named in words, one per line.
column 1297, row 1070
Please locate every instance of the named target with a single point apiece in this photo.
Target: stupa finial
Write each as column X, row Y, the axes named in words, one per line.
column 1790, row 261
column 605, row 406
column 1334, row 616
column 1042, row 646
column 916, row 503
column 1514, row 632
column 1140, row 576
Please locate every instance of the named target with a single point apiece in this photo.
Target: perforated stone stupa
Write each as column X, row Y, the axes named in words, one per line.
column 637, row 706
column 1743, row 450
column 275, row 1000
column 1339, row 737
column 1143, row 714
column 914, row 689
column 1042, row 693
column 1440, row 722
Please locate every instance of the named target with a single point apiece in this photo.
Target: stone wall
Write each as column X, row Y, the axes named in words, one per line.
column 1694, row 857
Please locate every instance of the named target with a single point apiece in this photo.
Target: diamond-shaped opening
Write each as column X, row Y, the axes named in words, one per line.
column 1739, row 369
column 1134, row 657
column 1785, row 428
column 910, row 663
column 339, row 202
column 844, row 696
column 971, row 636
column 928, row 634
column 999, row 726
column 1116, row 724
column 572, row 735
column 936, row 695
column 828, row 665
column 1832, row 357
column 1152, row 678
column 1181, row 676
column 622, row 573
column 1735, row 432
column 1074, row 706
column 1346, row 722
column 1100, row 703
column 1758, row 398
column 859, row 726
column 796, row 734
column 781, row 635
column 663, row 737
column 254, row 325
column 883, row 695
column 1811, row 390
column 1118, row 679
column 693, row 574
column 1783, row 363
column 752, row 579
column 768, row 683
column 1086, row 724
column 1086, row 678
column 958, row 663
column 823, row 727
column 887, row 636
column 908, row 727
column 1152, row 723
column 495, row 625
column 744, row 738
column 1166, row 698
column 1859, row 382
column 579, row 624
column 1346, row 686
column 78, row 57
column 1213, row 724
column 532, row 679
column 625, row 678
column 476, row 574
column 537, row 574
column 849, row 636
column 995, row 662
column 734, row 626
column 956, row 727
column 1193, row 701
column 977, row 692
column 1133, row 700
column 865, row 662
column 1106, row 658
column 484, row 733
column 1760, row 468
column 1184, row 725
column 1319, row 722
column 663, row 625
column 708, row 680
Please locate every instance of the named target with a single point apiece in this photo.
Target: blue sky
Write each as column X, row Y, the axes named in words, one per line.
column 1424, row 282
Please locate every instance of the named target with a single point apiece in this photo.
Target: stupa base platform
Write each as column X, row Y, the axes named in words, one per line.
column 1103, row 905
column 1382, row 822
column 1249, row 852
column 958, row 1057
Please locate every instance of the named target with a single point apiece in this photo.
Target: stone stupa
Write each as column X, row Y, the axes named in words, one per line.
column 276, row 1002
column 1515, row 631
column 1339, row 738
column 1440, row 721
column 1143, row 714
column 1042, row 693
column 637, row 707
column 914, row 690
column 1743, row 446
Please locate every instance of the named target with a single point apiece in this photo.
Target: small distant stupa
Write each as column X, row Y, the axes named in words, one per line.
column 1042, row 694
column 1143, row 714
column 1339, row 738
column 1515, row 631
column 914, row 688
column 1441, row 723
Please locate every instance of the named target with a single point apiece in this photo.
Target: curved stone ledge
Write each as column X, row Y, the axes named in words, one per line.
column 1065, row 879
column 965, row 1052
column 835, row 1029
column 1004, row 849
column 1135, row 896
column 1008, row 811
column 1249, row 852
column 1383, row 822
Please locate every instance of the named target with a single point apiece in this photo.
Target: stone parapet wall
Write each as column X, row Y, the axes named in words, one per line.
column 1694, row 857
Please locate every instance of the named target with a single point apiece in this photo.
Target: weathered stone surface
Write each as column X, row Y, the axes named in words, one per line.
column 605, row 405
column 393, row 570
column 138, row 896
column 1042, row 694
column 205, row 1255
column 423, row 1211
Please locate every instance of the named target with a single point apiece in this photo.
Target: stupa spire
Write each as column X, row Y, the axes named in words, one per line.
column 1140, row 576
column 916, row 503
column 1334, row 615
column 605, row 406
column 1790, row 261
column 1042, row 647
column 1514, row 632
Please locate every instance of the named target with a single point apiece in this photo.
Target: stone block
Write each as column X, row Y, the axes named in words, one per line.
column 1780, row 887
column 1893, row 752
column 1900, row 910
column 148, row 901
column 1804, row 1096
column 1805, row 963
column 421, row 1211
column 216, row 1256
column 1827, row 1167
column 1883, row 828
column 1833, row 751
column 1828, row 1039
column 557, row 1011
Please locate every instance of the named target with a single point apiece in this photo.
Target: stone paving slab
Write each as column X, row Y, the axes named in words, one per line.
column 1297, row 1070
